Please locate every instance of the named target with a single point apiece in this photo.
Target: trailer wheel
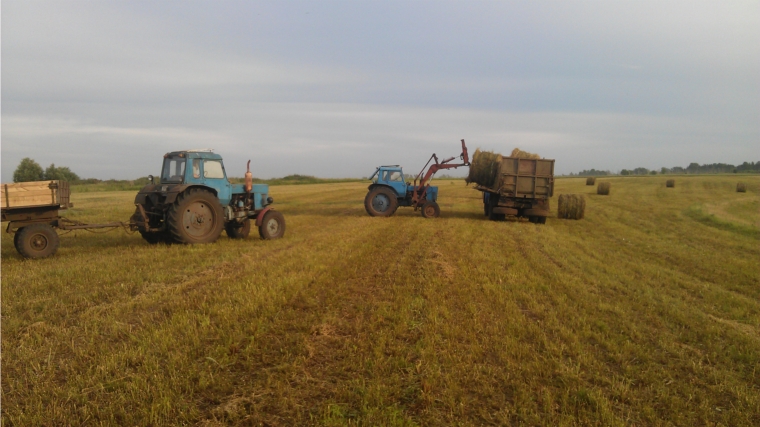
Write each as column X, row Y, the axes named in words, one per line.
column 431, row 210
column 237, row 230
column 195, row 217
column 272, row 226
column 36, row 241
column 381, row 201
column 537, row 219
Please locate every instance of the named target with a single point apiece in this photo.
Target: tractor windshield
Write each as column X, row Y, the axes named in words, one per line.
column 174, row 170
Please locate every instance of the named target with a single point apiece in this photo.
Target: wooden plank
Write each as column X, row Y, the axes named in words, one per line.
column 27, row 194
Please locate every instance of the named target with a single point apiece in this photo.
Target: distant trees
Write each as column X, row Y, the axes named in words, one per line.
column 61, row 173
column 593, row 172
column 693, row 168
column 29, row 170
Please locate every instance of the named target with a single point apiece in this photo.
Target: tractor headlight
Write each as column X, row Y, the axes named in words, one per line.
column 270, row 200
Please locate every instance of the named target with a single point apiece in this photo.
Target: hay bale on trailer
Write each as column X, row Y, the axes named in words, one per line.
column 591, row 180
column 741, row 187
column 523, row 154
column 571, row 206
column 670, row 183
column 603, row 188
column 484, row 168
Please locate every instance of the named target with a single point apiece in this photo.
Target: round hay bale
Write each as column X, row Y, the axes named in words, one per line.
column 571, row 206
column 741, row 187
column 523, row 154
column 603, row 188
column 484, row 168
column 591, row 180
column 670, row 183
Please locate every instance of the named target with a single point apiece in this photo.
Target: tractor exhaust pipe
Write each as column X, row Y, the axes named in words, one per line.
column 248, row 178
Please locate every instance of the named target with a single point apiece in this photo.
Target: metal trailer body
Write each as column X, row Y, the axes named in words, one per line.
column 522, row 188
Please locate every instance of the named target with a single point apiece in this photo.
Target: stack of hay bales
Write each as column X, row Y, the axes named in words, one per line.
column 523, row 154
column 590, row 180
column 670, row 183
column 603, row 188
column 571, row 206
column 484, row 168
column 741, row 187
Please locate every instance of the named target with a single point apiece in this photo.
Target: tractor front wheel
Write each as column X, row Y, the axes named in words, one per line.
column 272, row 225
column 238, row 230
column 431, row 210
column 381, row 201
column 195, row 217
column 36, row 241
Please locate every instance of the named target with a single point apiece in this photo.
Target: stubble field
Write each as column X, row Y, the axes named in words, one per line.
column 646, row 312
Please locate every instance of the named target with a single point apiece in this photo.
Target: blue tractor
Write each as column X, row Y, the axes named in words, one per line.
column 389, row 190
column 194, row 201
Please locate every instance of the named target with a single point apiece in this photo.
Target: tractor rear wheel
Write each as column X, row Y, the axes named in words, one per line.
column 238, row 230
column 272, row 225
column 36, row 241
column 195, row 217
column 430, row 210
column 381, row 201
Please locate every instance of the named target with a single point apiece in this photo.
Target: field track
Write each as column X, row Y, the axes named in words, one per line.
column 646, row 312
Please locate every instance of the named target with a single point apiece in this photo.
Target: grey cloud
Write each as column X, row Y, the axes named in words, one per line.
column 334, row 88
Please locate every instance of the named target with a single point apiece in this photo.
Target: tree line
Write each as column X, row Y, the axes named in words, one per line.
column 693, row 168
column 29, row 170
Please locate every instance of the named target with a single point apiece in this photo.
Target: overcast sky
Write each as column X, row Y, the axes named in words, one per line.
column 335, row 88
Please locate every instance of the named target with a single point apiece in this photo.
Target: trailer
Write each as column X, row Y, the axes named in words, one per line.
column 521, row 187
column 32, row 210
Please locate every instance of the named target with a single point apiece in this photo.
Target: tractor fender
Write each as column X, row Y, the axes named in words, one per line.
column 170, row 194
column 260, row 215
column 373, row 186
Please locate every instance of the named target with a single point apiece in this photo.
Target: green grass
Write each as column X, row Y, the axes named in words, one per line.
column 646, row 312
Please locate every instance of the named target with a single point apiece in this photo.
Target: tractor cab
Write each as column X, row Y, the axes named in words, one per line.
column 197, row 167
column 393, row 177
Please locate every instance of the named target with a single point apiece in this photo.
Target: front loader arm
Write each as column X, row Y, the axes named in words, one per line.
column 421, row 192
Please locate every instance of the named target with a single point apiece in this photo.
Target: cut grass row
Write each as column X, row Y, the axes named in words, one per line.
column 638, row 314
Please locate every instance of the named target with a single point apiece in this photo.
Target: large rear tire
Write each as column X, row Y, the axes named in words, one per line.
column 238, row 230
column 195, row 217
column 381, row 201
column 36, row 241
column 431, row 210
column 272, row 225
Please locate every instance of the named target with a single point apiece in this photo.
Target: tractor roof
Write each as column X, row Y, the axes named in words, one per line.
column 195, row 154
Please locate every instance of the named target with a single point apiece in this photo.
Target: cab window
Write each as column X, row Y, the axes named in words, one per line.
column 213, row 169
column 174, row 170
column 196, row 168
column 393, row 176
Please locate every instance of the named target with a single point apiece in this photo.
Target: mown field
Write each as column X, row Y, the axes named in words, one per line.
column 647, row 312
